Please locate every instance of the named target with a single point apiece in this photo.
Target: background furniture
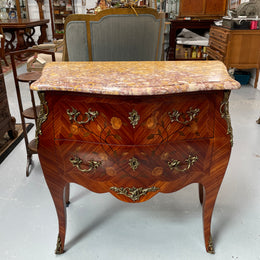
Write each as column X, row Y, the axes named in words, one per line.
column 197, row 16
column 134, row 129
column 236, row 48
column 211, row 9
column 33, row 111
column 7, row 122
column 18, row 9
column 59, row 10
column 18, row 30
column 115, row 34
column 178, row 25
column 2, row 46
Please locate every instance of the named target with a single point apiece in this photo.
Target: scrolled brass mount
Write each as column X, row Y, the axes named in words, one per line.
column 224, row 111
column 43, row 115
column 89, row 116
column 175, row 164
column 175, row 116
column 93, row 165
column 133, row 193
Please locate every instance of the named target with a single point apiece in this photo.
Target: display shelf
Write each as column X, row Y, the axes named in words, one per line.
column 59, row 10
column 14, row 9
column 197, row 26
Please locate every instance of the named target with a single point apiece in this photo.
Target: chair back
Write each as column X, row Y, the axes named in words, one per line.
column 115, row 34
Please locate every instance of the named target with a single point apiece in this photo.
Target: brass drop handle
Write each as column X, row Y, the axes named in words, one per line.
column 89, row 116
column 175, row 164
column 93, row 165
column 175, row 116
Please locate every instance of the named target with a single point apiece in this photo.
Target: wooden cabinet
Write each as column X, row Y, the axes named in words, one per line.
column 119, row 127
column 22, row 9
column 59, row 10
column 203, row 8
column 177, row 25
column 202, row 14
column 236, row 48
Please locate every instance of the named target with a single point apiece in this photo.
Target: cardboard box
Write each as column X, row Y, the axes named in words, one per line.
column 182, row 52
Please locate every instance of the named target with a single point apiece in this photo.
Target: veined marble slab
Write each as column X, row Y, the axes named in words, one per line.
column 135, row 78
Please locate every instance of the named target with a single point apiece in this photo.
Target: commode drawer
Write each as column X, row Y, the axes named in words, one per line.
column 135, row 165
column 134, row 122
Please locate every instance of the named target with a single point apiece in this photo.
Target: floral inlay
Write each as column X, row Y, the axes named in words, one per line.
column 116, row 122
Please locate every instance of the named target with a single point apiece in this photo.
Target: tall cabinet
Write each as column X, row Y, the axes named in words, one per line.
column 203, row 8
column 59, row 10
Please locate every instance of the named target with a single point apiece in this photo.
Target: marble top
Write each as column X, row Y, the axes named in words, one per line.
column 135, row 78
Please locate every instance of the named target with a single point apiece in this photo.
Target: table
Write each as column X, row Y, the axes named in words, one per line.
column 134, row 129
column 18, row 28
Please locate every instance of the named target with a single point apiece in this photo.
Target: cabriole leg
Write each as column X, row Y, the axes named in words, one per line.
column 58, row 190
column 209, row 197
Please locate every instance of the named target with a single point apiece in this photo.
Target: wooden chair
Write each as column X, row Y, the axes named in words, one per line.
column 115, row 34
column 33, row 111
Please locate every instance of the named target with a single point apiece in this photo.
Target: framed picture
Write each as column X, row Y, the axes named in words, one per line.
column 233, row 4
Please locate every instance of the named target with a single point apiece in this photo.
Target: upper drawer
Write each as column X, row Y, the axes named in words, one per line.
column 134, row 121
column 218, row 34
column 220, row 46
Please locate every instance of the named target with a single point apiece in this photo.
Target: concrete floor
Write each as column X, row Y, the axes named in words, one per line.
column 166, row 227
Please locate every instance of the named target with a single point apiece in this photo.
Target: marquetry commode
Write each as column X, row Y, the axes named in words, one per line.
column 134, row 129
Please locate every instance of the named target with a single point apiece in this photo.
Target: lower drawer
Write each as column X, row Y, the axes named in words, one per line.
column 137, row 166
